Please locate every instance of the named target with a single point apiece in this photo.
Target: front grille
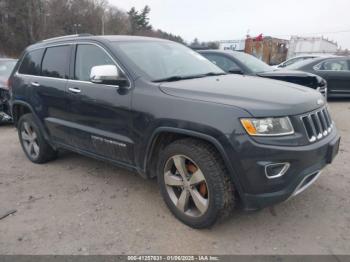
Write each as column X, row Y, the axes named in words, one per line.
column 317, row 124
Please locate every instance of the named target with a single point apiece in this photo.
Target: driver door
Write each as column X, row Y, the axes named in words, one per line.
column 100, row 113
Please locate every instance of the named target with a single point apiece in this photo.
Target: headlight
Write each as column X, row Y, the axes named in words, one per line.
column 268, row 126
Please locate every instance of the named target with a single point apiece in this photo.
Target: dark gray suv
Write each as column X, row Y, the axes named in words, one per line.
column 158, row 108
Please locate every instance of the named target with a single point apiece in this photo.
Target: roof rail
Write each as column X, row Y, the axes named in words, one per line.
column 64, row 37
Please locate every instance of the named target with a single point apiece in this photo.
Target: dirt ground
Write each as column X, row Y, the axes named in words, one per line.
column 76, row 205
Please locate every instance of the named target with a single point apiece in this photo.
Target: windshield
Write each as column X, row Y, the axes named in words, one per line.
column 6, row 68
column 253, row 63
column 166, row 60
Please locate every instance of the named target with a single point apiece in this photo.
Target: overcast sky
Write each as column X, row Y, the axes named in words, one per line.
column 211, row 20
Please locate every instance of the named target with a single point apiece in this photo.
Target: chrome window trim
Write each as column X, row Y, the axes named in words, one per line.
column 74, row 80
column 45, row 77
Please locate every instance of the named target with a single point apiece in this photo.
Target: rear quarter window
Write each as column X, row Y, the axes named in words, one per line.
column 56, row 62
column 31, row 63
column 333, row 65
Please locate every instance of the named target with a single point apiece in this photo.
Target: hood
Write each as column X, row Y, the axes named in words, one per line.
column 296, row 77
column 260, row 97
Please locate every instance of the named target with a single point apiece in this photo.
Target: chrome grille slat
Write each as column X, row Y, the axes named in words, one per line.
column 317, row 124
column 323, row 122
column 319, row 133
column 328, row 120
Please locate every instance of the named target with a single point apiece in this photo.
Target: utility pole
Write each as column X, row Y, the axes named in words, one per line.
column 76, row 27
column 103, row 23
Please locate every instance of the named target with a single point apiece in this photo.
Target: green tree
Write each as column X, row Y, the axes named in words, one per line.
column 134, row 18
column 139, row 21
column 144, row 18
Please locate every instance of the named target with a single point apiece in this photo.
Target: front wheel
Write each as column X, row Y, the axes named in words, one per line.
column 194, row 183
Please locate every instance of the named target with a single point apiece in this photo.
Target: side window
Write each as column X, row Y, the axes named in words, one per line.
column 333, row 65
column 56, row 62
column 293, row 61
column 223, row 62
column 289, row 62
column 87, row 57
column 31, row 63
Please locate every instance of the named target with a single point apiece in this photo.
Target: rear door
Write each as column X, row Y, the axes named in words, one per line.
column 27, row 74
column 49, row 91
column 337, row 73
column 99, row 114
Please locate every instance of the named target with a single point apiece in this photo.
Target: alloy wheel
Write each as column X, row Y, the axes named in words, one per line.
column 186, row 186
column 30, row 140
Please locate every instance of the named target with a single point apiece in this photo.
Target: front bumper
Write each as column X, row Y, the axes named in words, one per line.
column 306, row 164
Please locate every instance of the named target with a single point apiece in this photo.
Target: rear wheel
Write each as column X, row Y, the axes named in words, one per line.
column 194, row 183
column 33, row 143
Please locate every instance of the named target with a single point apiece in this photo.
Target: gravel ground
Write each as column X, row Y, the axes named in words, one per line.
column 76, row 205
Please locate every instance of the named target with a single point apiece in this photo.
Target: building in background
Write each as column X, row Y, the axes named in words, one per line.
column 311, row 46
column 272, row 51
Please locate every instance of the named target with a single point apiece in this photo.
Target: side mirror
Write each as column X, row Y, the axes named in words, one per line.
column 107, row 74
column 236, row 71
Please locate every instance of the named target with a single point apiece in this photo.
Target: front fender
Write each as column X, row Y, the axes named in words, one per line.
column 221, row 144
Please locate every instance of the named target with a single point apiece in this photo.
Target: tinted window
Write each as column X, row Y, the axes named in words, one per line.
column 56, row 62
column 87, row 57
column 292, row 61
column 31, row 63
column 300, row 64
column 223, row 62
column 334, row 65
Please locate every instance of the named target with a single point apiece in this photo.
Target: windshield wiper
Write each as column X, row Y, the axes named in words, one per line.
column 213, row 74
column 178, row 77
column 170, row 79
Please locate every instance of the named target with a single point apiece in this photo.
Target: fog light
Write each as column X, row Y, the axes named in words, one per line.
column 276, row 170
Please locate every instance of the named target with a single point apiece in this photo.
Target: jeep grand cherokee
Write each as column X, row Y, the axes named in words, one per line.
column 158, row 108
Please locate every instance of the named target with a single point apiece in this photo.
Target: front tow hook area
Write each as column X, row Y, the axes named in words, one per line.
column 306, row 183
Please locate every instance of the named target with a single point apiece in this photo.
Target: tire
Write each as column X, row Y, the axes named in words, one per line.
column 32, row 140
column 206, row 201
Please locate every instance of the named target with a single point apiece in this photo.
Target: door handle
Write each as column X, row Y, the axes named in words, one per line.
column 74, row 90
column 35, row 84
